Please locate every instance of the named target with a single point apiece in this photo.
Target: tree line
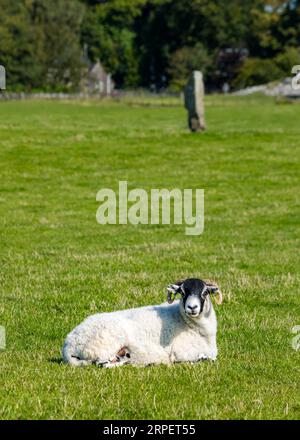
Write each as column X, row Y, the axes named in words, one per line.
column 152, row 44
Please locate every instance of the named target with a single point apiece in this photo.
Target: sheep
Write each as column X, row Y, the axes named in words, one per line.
column 177, row 331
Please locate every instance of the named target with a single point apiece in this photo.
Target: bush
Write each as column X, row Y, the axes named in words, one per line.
column 286, row 60
column 184, row 61
column 256, row 71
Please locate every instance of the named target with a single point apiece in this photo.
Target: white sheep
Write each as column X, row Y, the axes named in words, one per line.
column 180, row 331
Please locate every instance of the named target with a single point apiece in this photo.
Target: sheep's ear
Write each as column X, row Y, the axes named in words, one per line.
column 173, row 290
column 213, row 289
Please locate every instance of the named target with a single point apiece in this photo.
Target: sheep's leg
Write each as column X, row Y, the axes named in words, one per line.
column 202, row 357
column 189, row 356
column 119, row 363
column 122, row 358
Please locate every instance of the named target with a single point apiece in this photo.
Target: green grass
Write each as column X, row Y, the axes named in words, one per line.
column 59, row 266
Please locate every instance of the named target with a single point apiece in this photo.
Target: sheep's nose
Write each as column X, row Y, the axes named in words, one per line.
column 192, row 308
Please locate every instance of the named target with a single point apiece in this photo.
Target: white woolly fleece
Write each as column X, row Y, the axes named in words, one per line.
column 153, row 335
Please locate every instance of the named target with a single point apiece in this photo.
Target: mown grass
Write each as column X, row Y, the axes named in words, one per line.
column 58, row 265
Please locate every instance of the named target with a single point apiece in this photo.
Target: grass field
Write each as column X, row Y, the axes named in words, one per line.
column 58, row 265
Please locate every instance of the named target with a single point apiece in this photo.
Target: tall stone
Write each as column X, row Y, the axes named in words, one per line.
column 194, row 101
column 2, row 78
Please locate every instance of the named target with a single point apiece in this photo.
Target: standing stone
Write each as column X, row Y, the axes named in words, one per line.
column 2, row 78
column 194, row 101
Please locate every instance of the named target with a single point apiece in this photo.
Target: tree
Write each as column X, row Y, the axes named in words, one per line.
column 147, row 43
column 287, row 29
column 20, row 46
column 166, row 26
column 107, row 30
column 40, row 43
column 59, row 22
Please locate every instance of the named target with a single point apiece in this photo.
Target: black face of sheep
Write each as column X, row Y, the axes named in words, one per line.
column 194, row 292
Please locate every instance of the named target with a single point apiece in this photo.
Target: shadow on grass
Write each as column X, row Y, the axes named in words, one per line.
column 56, row 361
